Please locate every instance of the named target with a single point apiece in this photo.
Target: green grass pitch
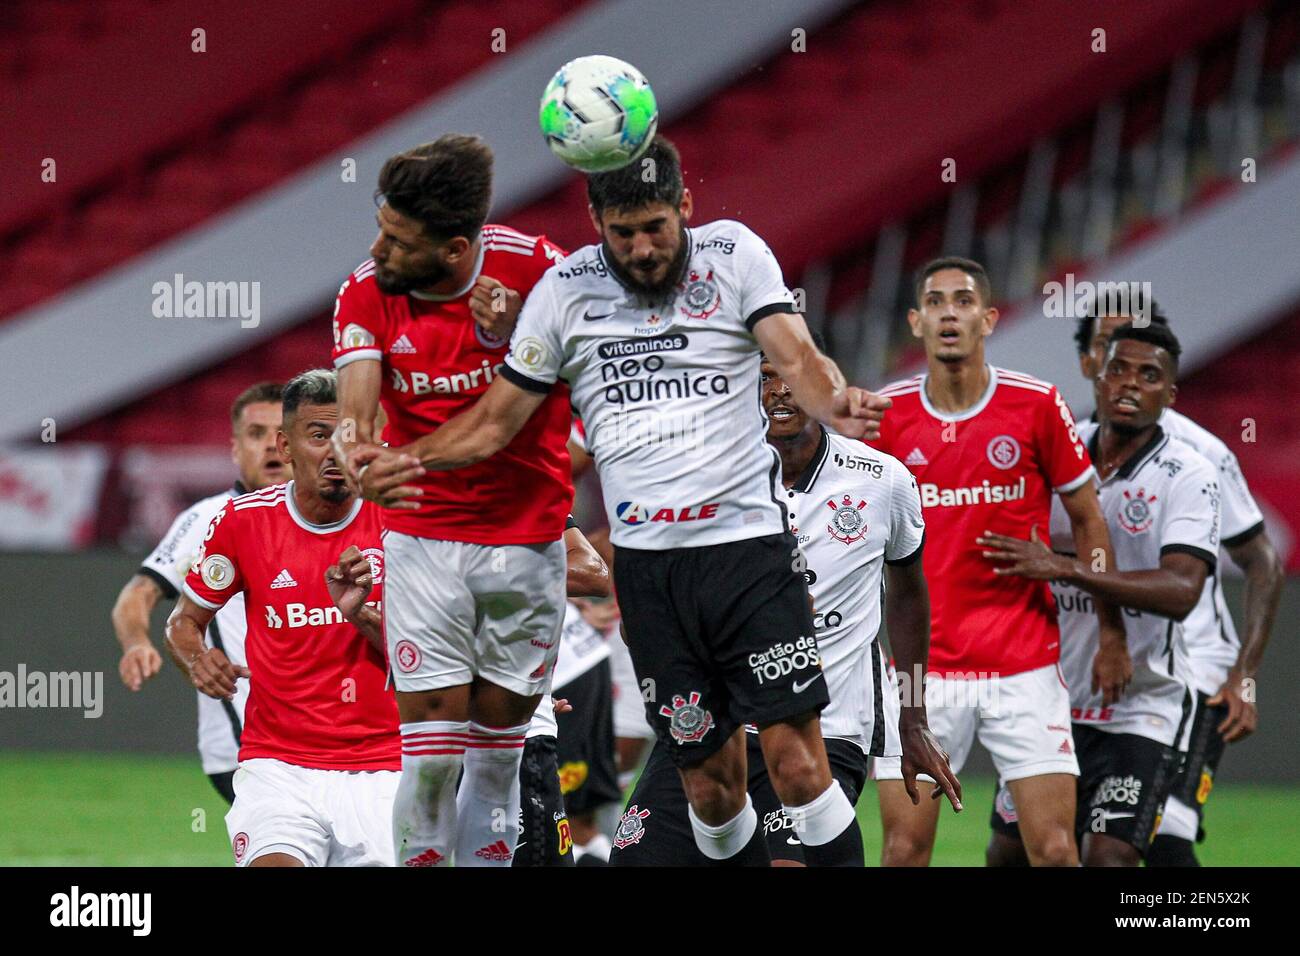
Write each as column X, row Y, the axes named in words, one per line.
column 128, row 810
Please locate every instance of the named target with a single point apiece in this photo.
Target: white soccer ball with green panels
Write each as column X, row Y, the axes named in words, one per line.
column 598, row 113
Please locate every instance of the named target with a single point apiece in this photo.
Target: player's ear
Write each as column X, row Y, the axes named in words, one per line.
column 1085, row 366
column 1173, row 395
column 991, row 317
column 595, row 220
column 282, row 445
column 455, row 248
column 687, row 206
column 914, row 320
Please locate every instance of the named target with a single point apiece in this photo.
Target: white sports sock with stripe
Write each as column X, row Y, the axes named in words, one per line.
column 488, row 801
column 424, row 811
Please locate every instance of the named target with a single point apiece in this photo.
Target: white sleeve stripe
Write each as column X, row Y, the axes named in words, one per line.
column 356, row 355
column 189, row 593
column 1070, row 486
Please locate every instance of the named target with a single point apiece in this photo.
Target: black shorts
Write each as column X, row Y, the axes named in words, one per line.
column 655, row 830
column 1123, row 782
column 588, row 770
column 720, row 636
column 544, row 837
column 1204, row 751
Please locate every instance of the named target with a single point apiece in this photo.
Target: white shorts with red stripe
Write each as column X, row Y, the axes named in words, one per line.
column 454, row 611
column 319, row 817
column 1022, row 720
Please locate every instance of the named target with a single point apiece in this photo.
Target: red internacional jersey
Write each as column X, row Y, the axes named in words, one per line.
column 437, row 361
column 993, row 467
column 317, row 697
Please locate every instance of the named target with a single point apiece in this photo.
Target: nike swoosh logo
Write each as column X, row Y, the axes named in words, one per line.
column 800, row 688
column 588, row 317
column 794, row 841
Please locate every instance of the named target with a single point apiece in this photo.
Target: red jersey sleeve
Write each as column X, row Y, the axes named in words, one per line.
column 214, row 577
column 360, row 320
column 1064, row 457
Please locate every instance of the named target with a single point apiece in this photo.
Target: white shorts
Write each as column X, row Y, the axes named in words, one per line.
column 629, row 707
column 320, row 817
column 1023, row 721
column 454, row 611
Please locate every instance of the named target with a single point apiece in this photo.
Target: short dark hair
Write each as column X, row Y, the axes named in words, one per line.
column 261, row 392
column 445, row 185
column 968, row 266
column 1160, row 335
column 626, row 188
column 1084, row 328
column 316, row 386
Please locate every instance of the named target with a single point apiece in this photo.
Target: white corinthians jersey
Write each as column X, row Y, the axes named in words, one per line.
column 1212, row 641
column 853, row 510
column 667, row 392
column 220, row 722
column 1165, row 499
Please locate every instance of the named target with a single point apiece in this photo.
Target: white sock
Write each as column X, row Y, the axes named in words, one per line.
column 824, row 819
column 726, row 840
column 598, row 846
column 424, row 811
column 488, row 802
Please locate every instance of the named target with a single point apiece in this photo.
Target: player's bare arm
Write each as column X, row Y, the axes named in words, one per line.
column 359, row 384
column 588, row 575
column 494, row 307
column 350, row 583
column 140, row 659
column 907, row 609
column 207, row 668
column 815, row 380
column 1259, row 560
column 1112, row 668
column 481, row 431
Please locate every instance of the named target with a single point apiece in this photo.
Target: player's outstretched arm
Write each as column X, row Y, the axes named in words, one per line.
column 588, row 575
column 140, row 659
column 358, row 389
column 815, row 380
column 907, row 610
column 478, row 432
column 207, row 668
column 1259, row 560
column 1112, row 668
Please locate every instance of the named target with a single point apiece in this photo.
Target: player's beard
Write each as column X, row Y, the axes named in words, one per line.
column 335, row 493
column 393, row 284
column 658, row 291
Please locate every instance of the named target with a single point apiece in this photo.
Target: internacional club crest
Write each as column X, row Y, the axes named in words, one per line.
column 849, row 522
column 631, row 828
column 1136, row 515
column 688, row 722
column 1004, row 452
column 700, row 295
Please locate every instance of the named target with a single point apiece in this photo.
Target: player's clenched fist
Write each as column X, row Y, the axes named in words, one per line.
column 213, row 674
column 494, row 307
column 381, row 475
column 349, row 581
column 858, row 413
column 138, row 664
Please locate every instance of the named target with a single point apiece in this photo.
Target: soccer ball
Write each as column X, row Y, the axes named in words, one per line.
column 598, row 113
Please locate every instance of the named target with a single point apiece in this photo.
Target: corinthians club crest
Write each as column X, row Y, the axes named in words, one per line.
column 631, row 828
column 701, row 296
column 688, row 722
column 849, row 523
column 1136, row 516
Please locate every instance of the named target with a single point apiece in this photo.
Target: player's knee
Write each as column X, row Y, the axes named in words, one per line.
column 1004, row 851
column 716, row 792
column 1054, row 848
column 1108, row 852
column 796, row 775
column 904, row 847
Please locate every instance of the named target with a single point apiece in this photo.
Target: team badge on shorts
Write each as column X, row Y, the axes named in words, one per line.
column 631, row 827
column 1004, row 807
column 688, row 722
column 849, row 523
column 407, row 656
column 701, row 296
column 1004, row 452
column 240, row 845
column 1136, row 515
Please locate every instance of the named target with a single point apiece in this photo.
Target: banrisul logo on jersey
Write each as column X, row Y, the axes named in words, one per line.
column 637, row 372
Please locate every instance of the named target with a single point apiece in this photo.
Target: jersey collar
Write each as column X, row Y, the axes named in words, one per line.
column 1136, row 460
column 805, row 482
column 478, row 267
column 306, row 525
column 971, row 412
